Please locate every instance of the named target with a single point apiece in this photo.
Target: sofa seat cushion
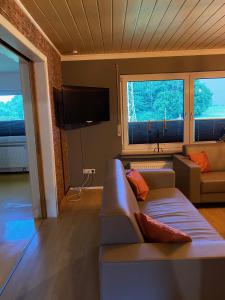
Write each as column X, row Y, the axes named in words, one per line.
column 171, row 207
column 213, row 182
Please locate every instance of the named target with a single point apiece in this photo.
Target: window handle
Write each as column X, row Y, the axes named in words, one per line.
column 191, row 116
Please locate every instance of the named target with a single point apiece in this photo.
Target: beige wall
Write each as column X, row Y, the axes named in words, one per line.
column 101, row 142
column 12, row 12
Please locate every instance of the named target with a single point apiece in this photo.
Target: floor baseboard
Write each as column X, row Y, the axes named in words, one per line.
column 87, row 188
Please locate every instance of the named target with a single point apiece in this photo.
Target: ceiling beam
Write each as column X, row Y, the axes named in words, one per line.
column 107, row 56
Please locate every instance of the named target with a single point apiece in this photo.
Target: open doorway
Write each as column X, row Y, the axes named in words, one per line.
column 19, row 177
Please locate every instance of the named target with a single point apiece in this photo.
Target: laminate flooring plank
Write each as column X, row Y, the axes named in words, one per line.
column 216, row 217
column 62, row 259
column 17, row 224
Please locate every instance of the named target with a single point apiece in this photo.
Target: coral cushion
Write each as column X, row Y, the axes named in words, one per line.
column 155, row 231
column 201, row 159
column 138, row 185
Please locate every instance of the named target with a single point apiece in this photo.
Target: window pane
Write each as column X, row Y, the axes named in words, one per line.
column 11, row 108
column 209, row 109
column 11, row 116
column 155, row 111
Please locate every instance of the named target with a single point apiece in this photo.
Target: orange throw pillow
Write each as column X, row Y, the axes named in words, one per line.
column 201, row 159
column 138, row 185
column 157, row 232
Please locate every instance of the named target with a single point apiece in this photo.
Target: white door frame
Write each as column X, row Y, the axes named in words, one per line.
column 31, row 141
column 18, row 41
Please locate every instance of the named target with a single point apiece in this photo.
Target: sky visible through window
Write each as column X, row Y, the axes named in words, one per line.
column 11, row 108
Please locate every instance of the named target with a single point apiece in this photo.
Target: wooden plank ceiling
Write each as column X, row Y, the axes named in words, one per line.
column 114, row 26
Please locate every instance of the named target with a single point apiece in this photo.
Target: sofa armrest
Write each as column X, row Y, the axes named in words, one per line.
column 159, row 178
column 188, row 177
column 163, row 271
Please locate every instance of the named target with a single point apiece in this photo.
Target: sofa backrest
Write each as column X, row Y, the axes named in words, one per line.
column 215, row 153
column 117, row 220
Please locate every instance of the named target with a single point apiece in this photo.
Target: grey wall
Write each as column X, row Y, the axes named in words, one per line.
column 100, row 142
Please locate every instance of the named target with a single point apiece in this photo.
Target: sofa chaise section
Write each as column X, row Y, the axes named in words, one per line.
column 193, row 271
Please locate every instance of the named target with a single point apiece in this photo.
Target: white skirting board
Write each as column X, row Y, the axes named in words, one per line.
column 87, row 188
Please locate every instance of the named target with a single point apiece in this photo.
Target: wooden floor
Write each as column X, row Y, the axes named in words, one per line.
column 216, row 217
column 17, row 225
column 61, row 262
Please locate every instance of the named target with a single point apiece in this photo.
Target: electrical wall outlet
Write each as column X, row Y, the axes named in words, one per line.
column 88, row 171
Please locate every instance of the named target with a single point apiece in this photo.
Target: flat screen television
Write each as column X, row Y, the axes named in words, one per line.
column 82, row 106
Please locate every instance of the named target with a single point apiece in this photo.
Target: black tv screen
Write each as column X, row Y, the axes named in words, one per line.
column 84, row 105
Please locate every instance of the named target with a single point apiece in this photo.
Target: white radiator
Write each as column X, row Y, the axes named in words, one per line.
column 151, row 164
column 13, row 158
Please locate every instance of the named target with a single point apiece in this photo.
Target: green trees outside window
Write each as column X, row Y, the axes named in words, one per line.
column 11, row 108
column 156, row 100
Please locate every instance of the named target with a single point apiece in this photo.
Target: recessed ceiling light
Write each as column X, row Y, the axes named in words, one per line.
column 74, row 51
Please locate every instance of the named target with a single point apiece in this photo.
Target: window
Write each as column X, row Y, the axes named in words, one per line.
column 209, row 109
column 161, row 112
column 11, row 116
column 155, row 111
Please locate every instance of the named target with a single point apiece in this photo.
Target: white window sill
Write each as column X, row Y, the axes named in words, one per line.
column 144, row 152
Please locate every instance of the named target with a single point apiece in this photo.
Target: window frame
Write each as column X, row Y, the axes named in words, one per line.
column 188, row 78
column 150, row 148
column 193, row 76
